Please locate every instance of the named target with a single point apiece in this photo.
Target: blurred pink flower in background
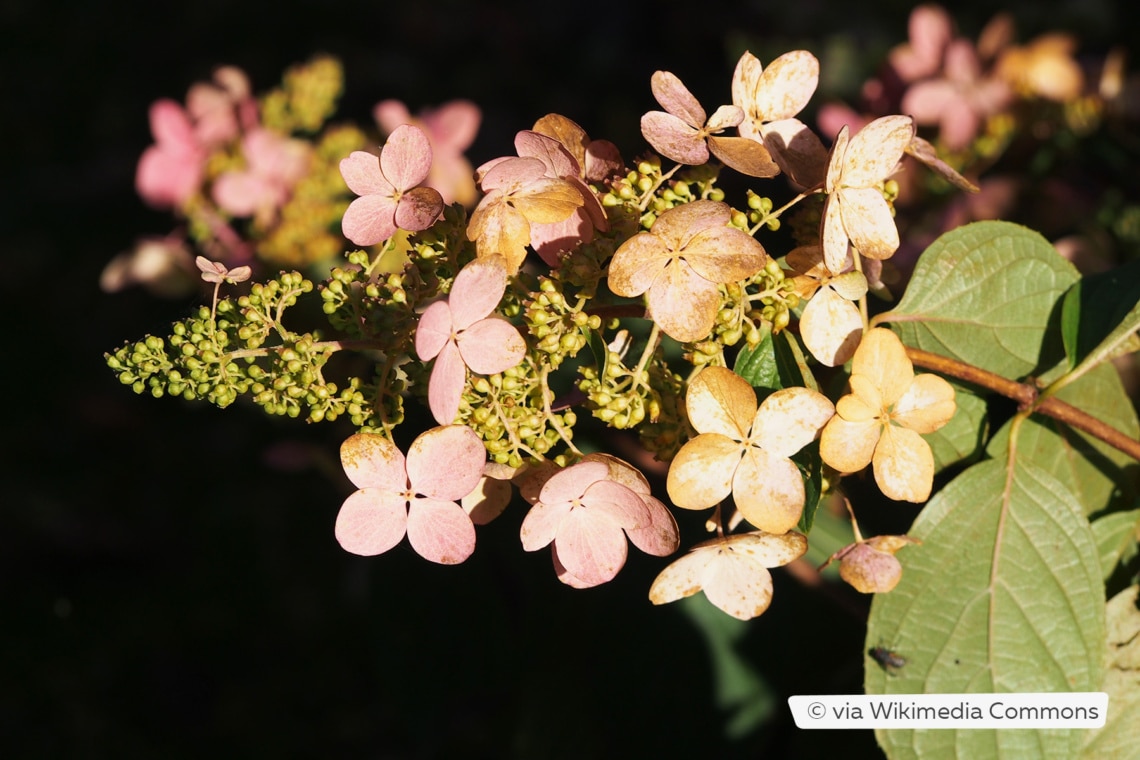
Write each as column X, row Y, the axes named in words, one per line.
column 274, row 164
column 960, row 100
column 170, row 171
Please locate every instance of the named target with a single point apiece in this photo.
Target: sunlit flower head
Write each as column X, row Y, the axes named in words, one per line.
column 881, row 421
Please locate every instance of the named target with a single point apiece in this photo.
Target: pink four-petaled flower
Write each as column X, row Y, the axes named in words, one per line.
column 416, row 494
column 459, row 333
column 389, row 197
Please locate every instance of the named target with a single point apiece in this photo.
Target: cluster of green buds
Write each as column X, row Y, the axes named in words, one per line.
column 379, row 310
column 561, row 329
column 220, row 354
column 759, row 214
column 509, row 412
column 307, row 97
column 619, row 396
column 667, row 430
column 651, row 192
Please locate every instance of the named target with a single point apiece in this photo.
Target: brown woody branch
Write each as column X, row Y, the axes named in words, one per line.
column 1026, row 396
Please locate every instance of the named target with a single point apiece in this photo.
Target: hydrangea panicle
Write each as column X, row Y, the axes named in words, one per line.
column 390, row 196
column 416, row 494
column 459, row 333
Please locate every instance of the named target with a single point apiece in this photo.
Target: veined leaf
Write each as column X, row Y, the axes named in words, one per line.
column 758, row 365
column 1100, row 314
column 1102, row 477
column 1004, row 595
column 986, row 294
column 1116, row 538
column 961, row 437
column 792, row 363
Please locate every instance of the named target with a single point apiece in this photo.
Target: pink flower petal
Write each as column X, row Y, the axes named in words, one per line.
column 440, row 531
column 553, row 155
column 590, row 546
column 618, row 503
column 434, row 330
column 675, row 98
column 371, row 521
column 661, row 536
column 552, row 240
column 445, row 386
column 453, row 126
column 491, row 345
column 571, row 482
column 405, row 158
column 542, row 524
column 171, row 127
column 674, row 139
column 390, row 114
column 477, row 290
column 373, row 461
column 243, row 193
column 446, row 462
column 369, row 219
column 165, row 179
column 509, row 173
column 565, row 575
column 683, row 303
column 637, row 263
column 418, row 209
column 361, row 172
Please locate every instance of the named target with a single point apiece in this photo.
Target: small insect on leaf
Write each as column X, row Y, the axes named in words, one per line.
column 888, row 660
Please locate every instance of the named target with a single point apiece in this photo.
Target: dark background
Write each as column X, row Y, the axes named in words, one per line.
column 168, row 592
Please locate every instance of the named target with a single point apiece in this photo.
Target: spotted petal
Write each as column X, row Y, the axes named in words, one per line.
column 440, row 531
column 373, row 461
column 371, row 521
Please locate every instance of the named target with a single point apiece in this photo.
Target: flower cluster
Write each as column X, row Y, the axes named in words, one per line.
column 561, row 280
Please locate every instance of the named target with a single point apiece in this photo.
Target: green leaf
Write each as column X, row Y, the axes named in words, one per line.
column 1004, row 595
column 758, row 365
column 962, row 437
column 1116, row 536
column 1119, row 738
column 791, row 362
column 1102, row 477
column 1100, row 313
column 811, row 467
column 987, row 294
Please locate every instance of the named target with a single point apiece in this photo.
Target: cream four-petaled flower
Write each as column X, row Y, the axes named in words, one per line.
column 744, row 450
